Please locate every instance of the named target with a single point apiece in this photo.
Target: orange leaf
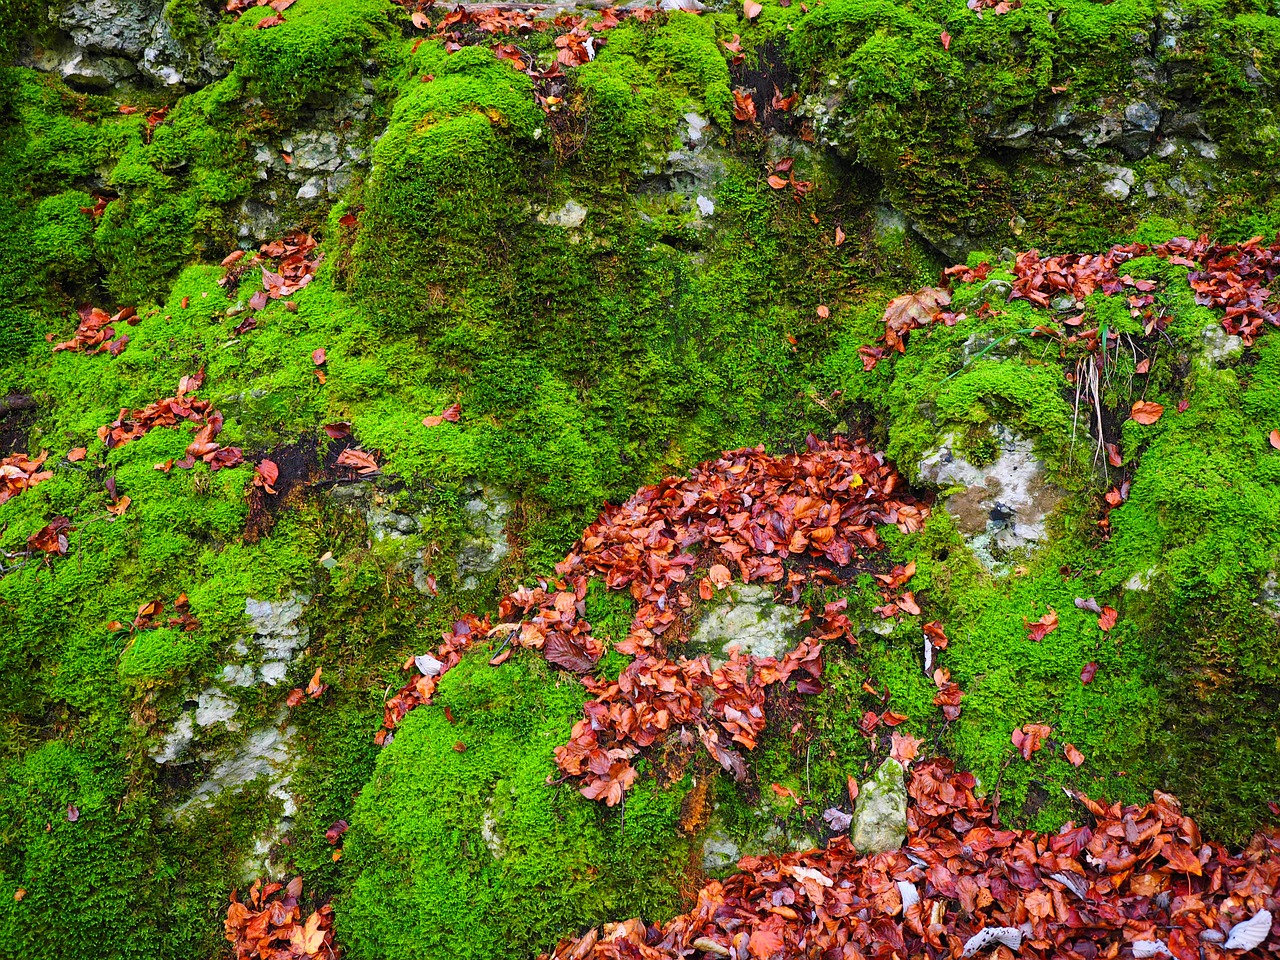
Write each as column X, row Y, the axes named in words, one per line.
column 776, row 181
column 839, row 236
column 1074, row 755
column 751, row 9
column 1275, row 439
column 1107, row 620
column 77, row 454
column 1041, row 628
column 1146, row 412
column 719, row 575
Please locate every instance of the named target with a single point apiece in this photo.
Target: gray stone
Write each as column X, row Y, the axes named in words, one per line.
column 880, row 814
column 1142, row 116
column 746, row 617
column 177, row 741
column 1004, row 503
column 385, row 523
column 277, row 634
column 569, row 217
column 1117, row 182
column 1218, row 345
column 239, row 675
column 214, row 706
column 486, row 544
column 1269, row 595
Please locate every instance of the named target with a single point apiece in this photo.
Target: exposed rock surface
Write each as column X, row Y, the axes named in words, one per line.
column 880, row 814
column 101, row 43
column 747, row 617
column 1005, row 502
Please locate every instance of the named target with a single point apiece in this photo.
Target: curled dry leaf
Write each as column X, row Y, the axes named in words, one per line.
column 358, row 460
column 744, row 107
column 1146, row 412
column 1073, row 755
column 1039, row 629
column 751, row 9
column 77, row 454
column 719, row 575
column 1107, row 619
column 265, row 475
column 1029, row 738
column 337, row 431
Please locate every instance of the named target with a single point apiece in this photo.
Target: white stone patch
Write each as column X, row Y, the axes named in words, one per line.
column 1218, row 344
column 177, row 741
column 1004, row 504
column 214, row 706
column 571, row 216
column 749, row 619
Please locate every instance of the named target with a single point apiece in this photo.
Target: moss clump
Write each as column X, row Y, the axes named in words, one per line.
column 460, row 846
column 156, row 655
column 319, row 50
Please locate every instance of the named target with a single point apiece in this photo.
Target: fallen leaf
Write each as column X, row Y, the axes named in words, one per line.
column 1146, row 412
column 119, row 507
column 274, row 20
column 1107, row 620
column 318, row 356
column 946, row 40
column 315, row 688
column 420, row 20
column 1039, row 629
column 839, row 236
column 77, row 454
column 1274, row 437
column 336, row 431
column 1073, row 755
column 358, row 460
column 19, row 893
column 744, row 108
column 1088, row 671
column 776, row 181
column 719, row 575
column 1143, row 366
column 1029, row 738
column 751, row 9
column 823, row 311
column 296, row 696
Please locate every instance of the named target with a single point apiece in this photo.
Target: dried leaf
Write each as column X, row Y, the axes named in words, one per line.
column 1073, row 755
column 1146, row 412
column 1039, row 629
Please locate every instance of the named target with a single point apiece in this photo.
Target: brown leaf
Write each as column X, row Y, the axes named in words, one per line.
column 274, row 20
column 751, row 9
column 1073, row 755
column 358, row 460
column 1146, row 412
column 1030, row 738
column 318, row 356
column 119, row 507
column 77, row 454
column 1274, row 437
column 336, row 431
column 839, row 236
column 946, row 40
column 720, row 575
column 315, row 688
column 776, row 181
column 824, row 311
column 1107, row 620
column 1088, row 671
column 1039, row 629
column 744, row 108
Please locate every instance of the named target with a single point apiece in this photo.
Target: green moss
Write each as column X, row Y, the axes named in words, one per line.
column 317, row 51
column 461, row 847
column 158, row 654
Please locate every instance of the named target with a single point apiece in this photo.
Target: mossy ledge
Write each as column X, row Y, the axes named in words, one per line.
column 593, row 264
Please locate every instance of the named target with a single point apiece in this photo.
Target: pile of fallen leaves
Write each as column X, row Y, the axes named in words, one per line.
column 19, row 472
column 130, row 425
column 269, row 925
column 746, row 510
column 1237, row 277
column 1138, row 882
column 299, row 257
column 97, row 330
